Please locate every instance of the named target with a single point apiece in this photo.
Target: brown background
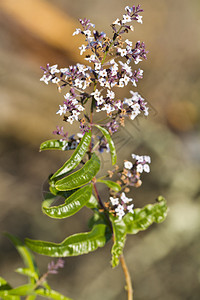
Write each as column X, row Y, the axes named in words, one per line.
column 164, row 261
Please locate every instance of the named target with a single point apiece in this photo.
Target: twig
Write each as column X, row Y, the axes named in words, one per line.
column 127, row 277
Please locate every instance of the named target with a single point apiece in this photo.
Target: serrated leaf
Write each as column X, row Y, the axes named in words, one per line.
column 25, row 254
column 146, row 216
column 76, row 157
column 51, row 294
column 71, row 206
column 111, row 184
column 119, row 237
column 27, row 272
column 110, row 143
column 80, row 177
column 54, row 145
column 74, row 245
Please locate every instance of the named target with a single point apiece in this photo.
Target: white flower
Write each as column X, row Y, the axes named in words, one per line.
column 97, row 66
column 121, row 83
column 96, row 94
column 139, row 19
column 87, row 32
column 77, row 31
column 128, row 9
column 114, row 201
column 120, row 211
column 70, row 119
column 140, row 73
column 110, row 94
column 62, row 110
column 128, row 165
column 126, row 79
column 55, row 80
column 146, row 168
column 103, row 73
column 122, row 52
column 75, row 114
column 137, row 60
column 126, row 19
column 100, row 100
column 83, row 49
column 139, row 168
column 46, row 78
column 130, row 208
column 54, row 69
column 117, row 22
column 125, row 199
column 129, row 43
column 80, row 107
column 147, row 159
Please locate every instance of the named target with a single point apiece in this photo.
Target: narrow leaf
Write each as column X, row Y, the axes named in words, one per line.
column 4, row 285
column 51, row 294
column 26, row 255
column 54, row 145
column 72, row 204
column 22, row 290
column 27, row 272
column 146, row 216
column 74, row 245
column 80, row 177
column 119, row 231
column 111, row 184
column 76, row 157
column 92, row 202
column 110, row 143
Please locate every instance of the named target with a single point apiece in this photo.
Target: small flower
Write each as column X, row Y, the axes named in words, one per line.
column 139, row 19
column 117, row 22
column 83, row 49
column 146, row 168
column 130, row 208
column 139, row 168
column 77, row 31
column 126, row 19
column 128, row 165
column 114, row 201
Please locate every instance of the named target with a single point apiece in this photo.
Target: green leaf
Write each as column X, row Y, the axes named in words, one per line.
column 119, row 232
column 72, row 204
column 146, row 216
column 110, row 143
column 74, row 245
column 27, row 272
column 80, row 177
column 22, row 290
column 111, row 184
column 51, row 294
column 76, row 157
column 25, row 254
column 92, row 202
column 4, row 285
column 54, row 145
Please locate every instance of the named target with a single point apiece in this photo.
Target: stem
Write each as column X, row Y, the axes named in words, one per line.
column 127, row 277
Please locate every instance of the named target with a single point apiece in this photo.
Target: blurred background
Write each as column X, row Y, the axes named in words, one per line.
column 165, row 260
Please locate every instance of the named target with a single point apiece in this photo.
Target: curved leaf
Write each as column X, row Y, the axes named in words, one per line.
column 146, row 216
column 54, row 145
column 74, row 245
column 4, row 285
column 110, row 143
column 111, row 184
column 72, row 204
column 76, row 157
column 80, row 177
column 51, row 294
column 119, row 231
column 26, row 255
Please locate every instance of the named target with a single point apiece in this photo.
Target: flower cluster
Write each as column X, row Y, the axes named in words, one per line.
column 121, row 205
column 68, row 142
column 105, row 75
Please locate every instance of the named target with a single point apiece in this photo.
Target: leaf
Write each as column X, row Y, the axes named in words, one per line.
column 110, row 143
column 51, row 294
column 92, row 202
column 111, row 184
column 54, row 145
column 25, row 254
column 76, row 157
column 146, row 216
column 119, row 231
column 80, row 177
column 22, row 290
column 72, row 204
column 74, row 245
column 27, row 272
column 4, row 285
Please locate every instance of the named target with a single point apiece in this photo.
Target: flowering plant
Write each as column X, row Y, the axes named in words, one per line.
column 91, row 93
